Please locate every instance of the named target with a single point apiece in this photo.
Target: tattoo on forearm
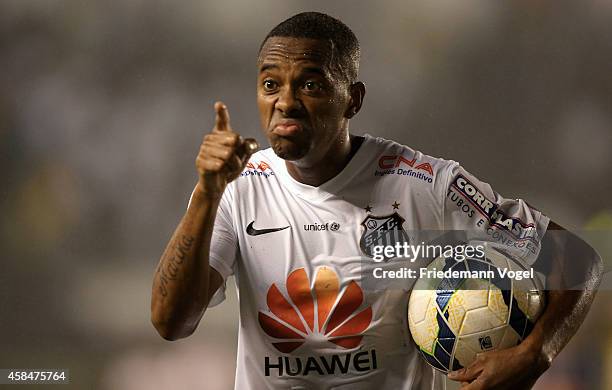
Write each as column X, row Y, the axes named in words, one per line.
column 168, row 270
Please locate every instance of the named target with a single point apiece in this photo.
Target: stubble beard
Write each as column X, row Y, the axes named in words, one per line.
column 288, row 150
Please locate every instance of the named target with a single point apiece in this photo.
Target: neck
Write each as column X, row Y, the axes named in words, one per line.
column 334, row 161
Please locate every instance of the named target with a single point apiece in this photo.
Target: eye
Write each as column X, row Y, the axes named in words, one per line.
column 312, row 86
column 269, row 85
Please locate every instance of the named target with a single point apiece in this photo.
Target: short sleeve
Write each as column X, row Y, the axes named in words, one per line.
column 473, row 206
column 223, row 244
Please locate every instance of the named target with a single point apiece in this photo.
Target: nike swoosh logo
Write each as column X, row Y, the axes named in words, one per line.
column 251, row 231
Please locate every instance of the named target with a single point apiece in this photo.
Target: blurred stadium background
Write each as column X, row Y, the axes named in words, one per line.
column 103, row 105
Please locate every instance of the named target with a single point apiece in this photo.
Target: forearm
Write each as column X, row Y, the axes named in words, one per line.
column 182, row 280
column 564, row 313
column 567, row 304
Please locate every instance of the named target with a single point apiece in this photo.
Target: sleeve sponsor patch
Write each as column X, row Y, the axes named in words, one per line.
column 493, row 215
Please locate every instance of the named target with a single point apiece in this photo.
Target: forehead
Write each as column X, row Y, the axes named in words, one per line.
column 287, row 50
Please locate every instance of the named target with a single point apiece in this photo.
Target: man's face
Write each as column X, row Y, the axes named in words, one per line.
column 302, row 99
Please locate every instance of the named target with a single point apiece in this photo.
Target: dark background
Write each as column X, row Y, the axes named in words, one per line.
column 103, row 105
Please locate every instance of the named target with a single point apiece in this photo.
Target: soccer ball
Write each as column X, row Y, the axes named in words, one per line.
column 451, row 319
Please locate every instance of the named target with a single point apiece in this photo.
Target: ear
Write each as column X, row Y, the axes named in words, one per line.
column 357, row 91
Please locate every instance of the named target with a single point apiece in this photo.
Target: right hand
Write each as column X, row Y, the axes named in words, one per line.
column 223, row 155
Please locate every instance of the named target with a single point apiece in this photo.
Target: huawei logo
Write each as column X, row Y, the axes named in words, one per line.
column 323, row 312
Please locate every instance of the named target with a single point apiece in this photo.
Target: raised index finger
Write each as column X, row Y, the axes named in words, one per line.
column 221, row 117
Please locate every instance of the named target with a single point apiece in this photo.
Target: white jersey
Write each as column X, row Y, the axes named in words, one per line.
column 299, row 253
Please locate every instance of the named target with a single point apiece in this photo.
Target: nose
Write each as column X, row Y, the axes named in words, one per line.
column 288, row 103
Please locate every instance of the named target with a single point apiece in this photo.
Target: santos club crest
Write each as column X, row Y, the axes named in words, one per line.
column 382, row 231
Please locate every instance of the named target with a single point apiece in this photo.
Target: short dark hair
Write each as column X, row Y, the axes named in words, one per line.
column 316, row 25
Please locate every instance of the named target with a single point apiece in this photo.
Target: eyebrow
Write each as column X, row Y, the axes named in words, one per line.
column 265, row 67
column 317, row 70
column 310, row 69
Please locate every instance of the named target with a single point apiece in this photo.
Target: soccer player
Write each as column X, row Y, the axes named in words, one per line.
column 296, row 225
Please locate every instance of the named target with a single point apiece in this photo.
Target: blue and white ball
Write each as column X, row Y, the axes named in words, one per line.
column 453, row 319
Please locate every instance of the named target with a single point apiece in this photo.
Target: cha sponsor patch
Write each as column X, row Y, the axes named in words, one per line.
column 400, row 165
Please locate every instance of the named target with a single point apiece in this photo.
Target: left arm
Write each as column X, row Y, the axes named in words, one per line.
column 519, row 367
